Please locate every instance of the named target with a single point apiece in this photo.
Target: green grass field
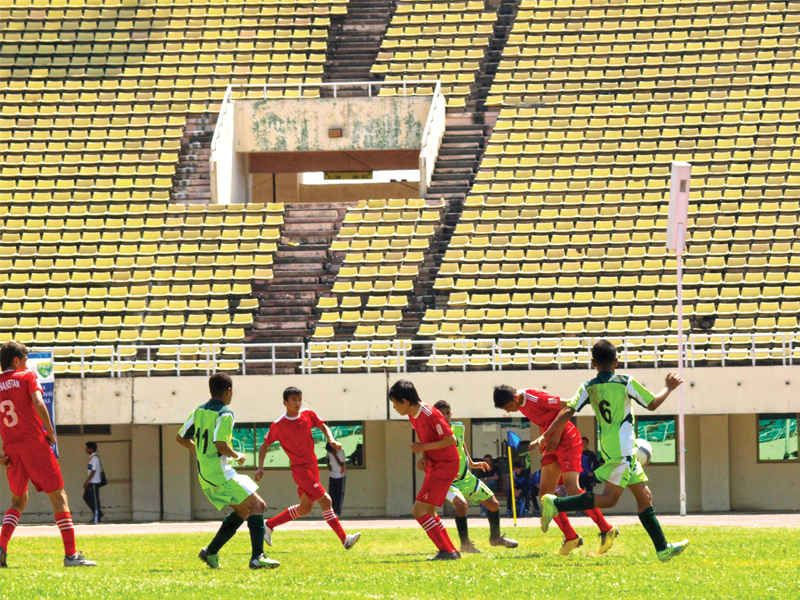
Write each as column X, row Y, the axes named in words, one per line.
column 720, row 563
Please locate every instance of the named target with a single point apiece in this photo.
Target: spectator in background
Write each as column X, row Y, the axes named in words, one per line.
column 522, row 490
column 91, row 487
column 589, row 465
column 338, row 468
column 490, row 477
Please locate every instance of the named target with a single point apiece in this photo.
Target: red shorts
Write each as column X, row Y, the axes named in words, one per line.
column 438, row 479
column 569, row 458
column 307, row 479
column 37, row 464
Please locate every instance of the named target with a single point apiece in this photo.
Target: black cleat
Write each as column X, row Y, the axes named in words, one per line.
column 442, row 555
column 3, row 555
column 503, row 541
column 467, row 547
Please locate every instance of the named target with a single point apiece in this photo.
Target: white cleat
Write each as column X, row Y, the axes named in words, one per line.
column 78, row 560
column 350, row 540
column 267, row 535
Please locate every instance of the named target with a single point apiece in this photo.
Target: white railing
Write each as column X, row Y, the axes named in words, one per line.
column 222, row 154
column 404, row 356
column 432, row 139
column 372, row 88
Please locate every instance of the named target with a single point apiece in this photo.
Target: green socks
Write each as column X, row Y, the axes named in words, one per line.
column 653, row 528
column 226, row 531
column 463, row 529
column 257, row 530
column 583, row 501
column 494, row 523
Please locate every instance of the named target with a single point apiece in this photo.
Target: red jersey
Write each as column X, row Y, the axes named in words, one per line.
column 542, row 409
column 294, row 435
column 431, row 426
column 20, row 425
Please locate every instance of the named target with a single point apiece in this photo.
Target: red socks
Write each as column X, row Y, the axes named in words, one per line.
column 595, row 515
column 64, row 522
column 10, row 521
column 566, row 527
column 333, row 522
column 435, row 529
column 290, row 514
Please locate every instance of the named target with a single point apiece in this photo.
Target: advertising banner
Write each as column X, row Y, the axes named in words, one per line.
column 41, row 363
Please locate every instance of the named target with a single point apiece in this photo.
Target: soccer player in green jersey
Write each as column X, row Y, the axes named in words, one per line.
column 610, row 396
column 467, row 487
column 208, row 433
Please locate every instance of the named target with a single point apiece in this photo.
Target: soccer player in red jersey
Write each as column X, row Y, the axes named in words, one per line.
column 293, row 431
column 561, row 458
column 439, row 460
column 27, row 436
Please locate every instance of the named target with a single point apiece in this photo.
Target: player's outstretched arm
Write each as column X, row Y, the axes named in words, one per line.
column 329, row 435
column 673, row 380
column 44, row 415
column 558, row 424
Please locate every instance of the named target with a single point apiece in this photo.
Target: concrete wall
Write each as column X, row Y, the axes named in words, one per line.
column 385, row 123
column 263, row 190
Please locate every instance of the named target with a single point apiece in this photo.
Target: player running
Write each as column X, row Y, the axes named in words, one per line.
column 28, row 435
column 437, row 444
column 211, row 426
column 610, row 396
column 561, row 458
column 293, row 431
column 467, row 487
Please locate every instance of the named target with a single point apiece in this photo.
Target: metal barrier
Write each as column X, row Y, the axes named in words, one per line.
column 402, row 88
column 404, row 356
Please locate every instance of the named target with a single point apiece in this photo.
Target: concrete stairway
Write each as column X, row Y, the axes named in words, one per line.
column 303, row 270
column 354, row 41
column 191, row 183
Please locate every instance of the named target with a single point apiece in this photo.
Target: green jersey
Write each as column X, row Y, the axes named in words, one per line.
column 209, row 423
column 610, row 396
column 463, row 463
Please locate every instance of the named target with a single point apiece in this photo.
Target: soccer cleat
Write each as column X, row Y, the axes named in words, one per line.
column 469, row 548
column 569, row 546
column 607, row 539
column 78, row 560
column 212, row 560
column 443, row 555
column 267, row 535
column 672, row 550
column 549, row 511
column 503, row 541
column 350, row 540
column 3, row 556
column 262, row 562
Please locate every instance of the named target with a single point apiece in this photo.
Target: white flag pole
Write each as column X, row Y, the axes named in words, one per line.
column 676, row 240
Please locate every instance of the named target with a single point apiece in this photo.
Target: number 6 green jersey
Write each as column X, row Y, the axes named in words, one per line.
column 610, row 396
column 209, row 423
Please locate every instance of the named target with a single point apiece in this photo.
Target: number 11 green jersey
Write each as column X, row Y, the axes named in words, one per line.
column 610, row 396
column 209, row 423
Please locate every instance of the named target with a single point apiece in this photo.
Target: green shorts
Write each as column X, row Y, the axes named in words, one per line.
column 234, row 491
column 471, row 488
column 623, row 471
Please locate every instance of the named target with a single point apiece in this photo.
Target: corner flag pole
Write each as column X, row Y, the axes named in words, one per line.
column 511, row 480
column 676, row 240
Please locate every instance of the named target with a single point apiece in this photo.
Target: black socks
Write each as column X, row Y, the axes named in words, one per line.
column 583, row 501
column 463, row 530
column 257, row 530
column 226, row 531
column 494, row 523
column 653, row 528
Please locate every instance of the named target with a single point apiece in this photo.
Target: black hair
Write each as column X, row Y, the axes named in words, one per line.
column 9, row 351
column 604, row 354
column 291, row 391
column 442, row 404
column 503, row 395
column 404, row 390
column 585, row 438
column 517, row 464
column 91, row 446
column 488, row 456
column 219, row 383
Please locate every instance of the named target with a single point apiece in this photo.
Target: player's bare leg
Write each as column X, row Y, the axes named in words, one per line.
column 496, row 538
column 290, row 514
column 461, row 506
column 426, row 516
column 10, row 521
column 647, row 515
column 607, row 533
column 72, row 557
column 551, row 473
